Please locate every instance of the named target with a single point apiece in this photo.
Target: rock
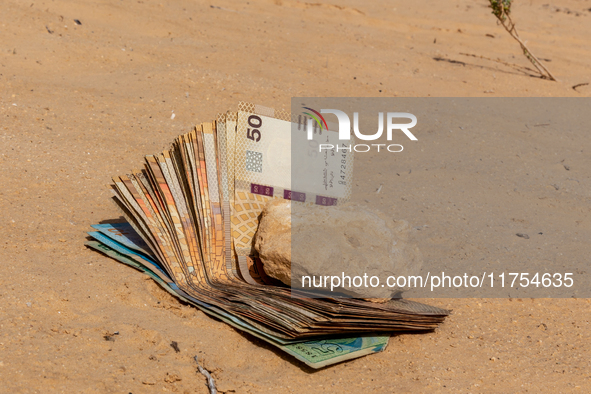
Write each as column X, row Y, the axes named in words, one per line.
column 345, row 241
column 273, row 240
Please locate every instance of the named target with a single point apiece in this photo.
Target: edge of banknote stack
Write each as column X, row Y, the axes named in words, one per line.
column 192, row 212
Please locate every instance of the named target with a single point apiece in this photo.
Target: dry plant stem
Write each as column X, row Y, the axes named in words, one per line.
column 510, row 27
column 205, row 372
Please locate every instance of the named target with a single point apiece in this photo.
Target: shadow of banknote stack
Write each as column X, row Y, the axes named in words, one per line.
column 192, row 213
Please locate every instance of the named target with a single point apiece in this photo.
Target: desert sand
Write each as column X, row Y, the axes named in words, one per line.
column 80, row 103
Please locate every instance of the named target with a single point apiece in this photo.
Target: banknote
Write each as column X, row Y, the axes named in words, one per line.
column 125, row 234
column 193, row 209
column 275, row 159
column 407, row 314
column 323, row 352
column 273, row 152
column 131, row 254
column 317, row 353
column 262, row 163
column 218, row 262
column 221, row 138
column 122, row 255
column 173, row 289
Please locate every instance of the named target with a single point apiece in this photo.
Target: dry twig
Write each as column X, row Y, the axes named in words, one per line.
column 502, row 10
column 210, row 381
column 579, row 85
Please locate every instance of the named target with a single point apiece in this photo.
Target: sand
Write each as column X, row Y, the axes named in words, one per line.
column 82, row 102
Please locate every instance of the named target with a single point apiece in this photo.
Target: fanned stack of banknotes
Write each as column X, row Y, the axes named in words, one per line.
column 192, row 213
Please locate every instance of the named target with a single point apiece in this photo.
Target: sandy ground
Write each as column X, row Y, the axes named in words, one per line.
column 80, row 103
